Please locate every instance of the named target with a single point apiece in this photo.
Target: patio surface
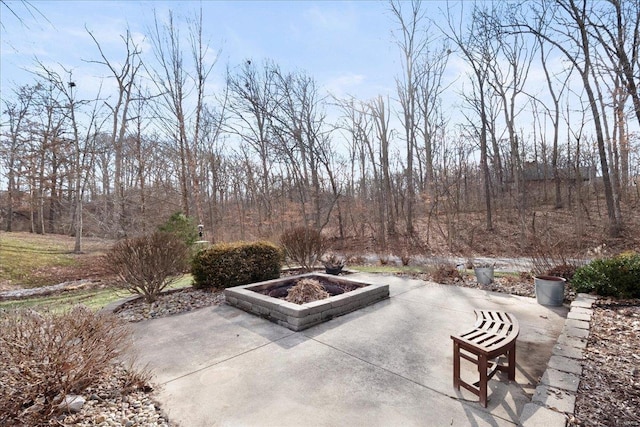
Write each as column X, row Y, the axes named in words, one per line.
column 388, row 364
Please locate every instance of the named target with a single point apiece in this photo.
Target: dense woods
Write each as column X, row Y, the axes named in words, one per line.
column 546, row 112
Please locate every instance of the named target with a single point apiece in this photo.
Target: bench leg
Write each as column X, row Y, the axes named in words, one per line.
column 456, row 366
column 512, row 363
column 483, row 367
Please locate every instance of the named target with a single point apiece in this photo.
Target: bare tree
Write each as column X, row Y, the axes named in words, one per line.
column 509, row 72
column 125, row 73
column 83, row 144
column 430, row 89
column 616, row 28
column 17, row 114
column 412, row 44
column 476, row 48
column 564, row 24
column 176, row 83
column 380, row 113
column 298, row 125
column 554, row 114
column 251, row 101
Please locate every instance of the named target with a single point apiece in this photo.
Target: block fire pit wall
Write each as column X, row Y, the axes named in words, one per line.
column 298, row 317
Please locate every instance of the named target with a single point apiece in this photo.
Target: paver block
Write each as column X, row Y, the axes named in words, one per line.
column 558, row 379
column 565, row 364
column 581, row 324
column 576, row 342
column 581, row 304
column 583, row 296
column 579, row 316
column 582, row 310
column 553, row 398
column 567, row 351
column 571, row 331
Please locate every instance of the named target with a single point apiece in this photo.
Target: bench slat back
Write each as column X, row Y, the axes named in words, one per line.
column 492, row 331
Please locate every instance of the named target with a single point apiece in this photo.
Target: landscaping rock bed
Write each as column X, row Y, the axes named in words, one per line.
column 108, row 406
column 169, row 303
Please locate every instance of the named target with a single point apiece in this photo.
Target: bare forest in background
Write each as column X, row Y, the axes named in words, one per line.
column 511, row 170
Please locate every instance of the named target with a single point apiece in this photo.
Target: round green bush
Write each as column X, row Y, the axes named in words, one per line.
column 226, row 265
column 618, row 276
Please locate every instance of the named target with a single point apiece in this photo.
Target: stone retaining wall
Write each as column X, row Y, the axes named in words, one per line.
column 298, row 317
column 555, row 397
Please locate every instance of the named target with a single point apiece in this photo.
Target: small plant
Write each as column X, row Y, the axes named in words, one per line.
column 405, row 258
column 383, row 258
column 480, row 264
column 148, row 264
column 445, row 273
column 618, row 276
column 333, row 261
column 306, row 290
column 45, row 357
column 233, row 264
column 333, row 264
column 304, row 246
column 553, row 260
column 562, row 270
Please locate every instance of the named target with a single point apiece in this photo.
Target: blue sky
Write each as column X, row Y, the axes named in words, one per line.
column 346, row 46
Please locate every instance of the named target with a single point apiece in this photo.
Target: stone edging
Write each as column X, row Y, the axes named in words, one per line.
column 555, row 397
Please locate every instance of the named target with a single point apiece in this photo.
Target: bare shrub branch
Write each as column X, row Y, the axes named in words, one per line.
column 304, row 245
column 148, row 264
column 44, row 357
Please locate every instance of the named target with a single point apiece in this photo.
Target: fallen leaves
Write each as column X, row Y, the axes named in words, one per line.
column 609, row 392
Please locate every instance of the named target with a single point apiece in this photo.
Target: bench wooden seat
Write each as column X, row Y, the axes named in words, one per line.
column 493, row 335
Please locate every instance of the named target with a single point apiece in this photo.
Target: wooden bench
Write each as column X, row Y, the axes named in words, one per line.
column 493, row 335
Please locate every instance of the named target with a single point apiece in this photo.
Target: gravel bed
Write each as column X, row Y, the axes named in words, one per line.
column 115, row 402
column 169, row 303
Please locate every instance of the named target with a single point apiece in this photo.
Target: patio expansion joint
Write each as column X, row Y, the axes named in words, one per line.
column 559, row 384
column 227, row 359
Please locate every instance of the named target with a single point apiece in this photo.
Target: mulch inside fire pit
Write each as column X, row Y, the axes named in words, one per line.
column 333, row 288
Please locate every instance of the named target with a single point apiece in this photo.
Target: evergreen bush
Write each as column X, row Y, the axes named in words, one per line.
column 618, row 276
column 226, row 265
column 181, row 226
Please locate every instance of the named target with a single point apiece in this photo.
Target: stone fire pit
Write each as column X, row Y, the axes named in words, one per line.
column 298, row 317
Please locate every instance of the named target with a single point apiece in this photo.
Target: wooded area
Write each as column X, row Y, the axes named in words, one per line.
column 272, row 150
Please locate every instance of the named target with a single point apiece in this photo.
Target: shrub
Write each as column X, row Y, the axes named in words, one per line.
column 445, row 273
column 44, row 357
column 562, row 270
column 233, row 264
column 304, row 246
column 618, row 276
column 148, row 264
column 306, row 290
column 181, row 226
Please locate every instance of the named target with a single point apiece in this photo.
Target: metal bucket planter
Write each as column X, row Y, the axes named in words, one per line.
column 549, row 290
column 484, row 275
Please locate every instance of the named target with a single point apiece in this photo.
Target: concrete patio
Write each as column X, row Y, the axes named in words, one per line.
column 388, row 364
